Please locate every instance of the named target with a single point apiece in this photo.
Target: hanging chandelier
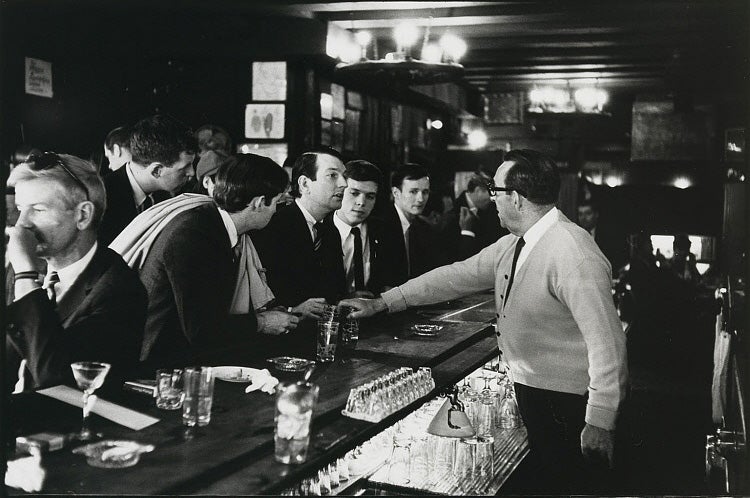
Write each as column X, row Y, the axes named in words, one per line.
column 432, row 63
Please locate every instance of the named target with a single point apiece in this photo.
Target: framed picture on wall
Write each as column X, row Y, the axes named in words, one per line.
column 264, row 121
column 504, row 108
column 269, row 80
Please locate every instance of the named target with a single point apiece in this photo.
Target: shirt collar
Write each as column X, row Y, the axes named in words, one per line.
column 138, row 194
column 310, row 219
column 229, row 225
column 405, row 223
column 345, row 229
column 533, row 234
column 70, row 273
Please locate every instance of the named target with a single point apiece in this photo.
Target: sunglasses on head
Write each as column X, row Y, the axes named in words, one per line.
column 49, row 160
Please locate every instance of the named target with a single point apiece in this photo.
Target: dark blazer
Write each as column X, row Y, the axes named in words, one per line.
column 487, row 230
column 190, row 274
column 121, row 207
column 100, row 318
column 428, row 251
column 295, row 272
column 374, row 235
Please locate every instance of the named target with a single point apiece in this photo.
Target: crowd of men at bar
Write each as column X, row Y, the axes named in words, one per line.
column 185, row 250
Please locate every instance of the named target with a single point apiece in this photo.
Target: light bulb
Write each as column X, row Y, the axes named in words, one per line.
column 477, row 139
column 406, row 34
column 432, row 53
column 436, row 124
column 453, row 46
column 682, row 182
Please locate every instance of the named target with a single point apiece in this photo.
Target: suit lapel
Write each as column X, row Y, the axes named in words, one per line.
column 72, row 301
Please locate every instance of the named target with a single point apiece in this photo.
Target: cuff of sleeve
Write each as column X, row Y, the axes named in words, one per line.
column 468, row 232
column 394, row 299
column 601, row 417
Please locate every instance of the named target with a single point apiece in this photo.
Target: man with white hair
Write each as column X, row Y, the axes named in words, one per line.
column 91, row 306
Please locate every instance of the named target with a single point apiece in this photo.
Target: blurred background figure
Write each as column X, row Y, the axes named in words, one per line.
column 682, row 264
column 212, row 137
column 117, row 147
column 205, row 170
column 609, row 241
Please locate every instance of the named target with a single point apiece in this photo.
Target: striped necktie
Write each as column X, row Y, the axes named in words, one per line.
column 50, row 281
column 318, row 239
column 147, row 203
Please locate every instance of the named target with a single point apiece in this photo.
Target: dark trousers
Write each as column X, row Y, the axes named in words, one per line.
column 554, row 422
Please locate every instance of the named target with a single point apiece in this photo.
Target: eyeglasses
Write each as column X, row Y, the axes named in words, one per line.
column 48, row 160
column 493, row 189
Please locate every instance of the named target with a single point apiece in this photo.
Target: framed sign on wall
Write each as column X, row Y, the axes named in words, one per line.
column 264, row 121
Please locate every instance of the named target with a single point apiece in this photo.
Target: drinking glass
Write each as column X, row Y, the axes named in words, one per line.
column 508, row 414
column 349, row 334
column 399, row 467
column 327, row 336
column 169, row 392
column 485, row 458
column 199, row 396
column 485, row 418
column 89, row 376
column 294, row 409
column 466, row 454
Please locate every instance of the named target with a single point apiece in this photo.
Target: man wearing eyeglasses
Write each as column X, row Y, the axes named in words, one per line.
column 557, row 326
column 91, row 306
column 162, row 151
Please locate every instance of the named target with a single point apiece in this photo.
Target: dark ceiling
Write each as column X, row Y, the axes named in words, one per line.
column 639, row 45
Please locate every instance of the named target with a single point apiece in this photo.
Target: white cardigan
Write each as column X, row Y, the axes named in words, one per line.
column 560, row 330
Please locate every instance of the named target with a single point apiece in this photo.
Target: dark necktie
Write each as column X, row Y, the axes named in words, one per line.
column 413, row 251
column 50, row 281
column 519, row 246
column 358, row 263
column 147, row 203
column 318, row 239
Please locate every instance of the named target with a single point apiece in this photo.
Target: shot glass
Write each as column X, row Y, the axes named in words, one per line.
column 327, row 338
column 294, row 409
column 169, row 392
column 199, row 396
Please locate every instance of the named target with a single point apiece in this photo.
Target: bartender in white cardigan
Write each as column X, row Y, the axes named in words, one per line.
column 557, row 326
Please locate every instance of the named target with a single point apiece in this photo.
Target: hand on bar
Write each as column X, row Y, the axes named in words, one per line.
column 364, row 307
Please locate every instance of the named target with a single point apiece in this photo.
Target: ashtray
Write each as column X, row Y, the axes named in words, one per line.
column 426, row 329
column 111, row 454
column 290, row 363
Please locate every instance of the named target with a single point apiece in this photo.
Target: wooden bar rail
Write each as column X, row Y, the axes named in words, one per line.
column 234, row 453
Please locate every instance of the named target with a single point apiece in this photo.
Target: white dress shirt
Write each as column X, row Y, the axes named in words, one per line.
column 70, row 273
column 229, row 225
column 533, row 234
column 311, row 221
column 347, row 247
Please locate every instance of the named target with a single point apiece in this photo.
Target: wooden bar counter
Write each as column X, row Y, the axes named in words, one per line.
column 234, row 453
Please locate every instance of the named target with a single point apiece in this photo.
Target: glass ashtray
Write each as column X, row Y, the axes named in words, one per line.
column 290, row 363
column 112, row 454
column 426, row 329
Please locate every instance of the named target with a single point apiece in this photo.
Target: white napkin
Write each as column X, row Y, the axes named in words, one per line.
column 116, row 413
column 26, row 473
column 263, row 381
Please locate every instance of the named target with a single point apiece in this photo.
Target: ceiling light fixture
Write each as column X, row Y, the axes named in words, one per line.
column 410, row 64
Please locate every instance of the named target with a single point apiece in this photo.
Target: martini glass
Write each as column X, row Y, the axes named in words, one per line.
column 89, row 376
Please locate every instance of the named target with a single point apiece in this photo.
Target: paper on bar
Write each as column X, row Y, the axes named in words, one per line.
column 116, row 413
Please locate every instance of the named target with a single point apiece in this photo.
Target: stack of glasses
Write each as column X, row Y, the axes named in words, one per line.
column 389, row 393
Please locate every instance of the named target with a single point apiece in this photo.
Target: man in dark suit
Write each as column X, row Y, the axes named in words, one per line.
column 162, row 152
column 117, row 148
column 611, row 244
column 410, row 246
column 473, row 223
column 303, row 253
column 92, row 306
column 360, row 234
column 191, row 269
